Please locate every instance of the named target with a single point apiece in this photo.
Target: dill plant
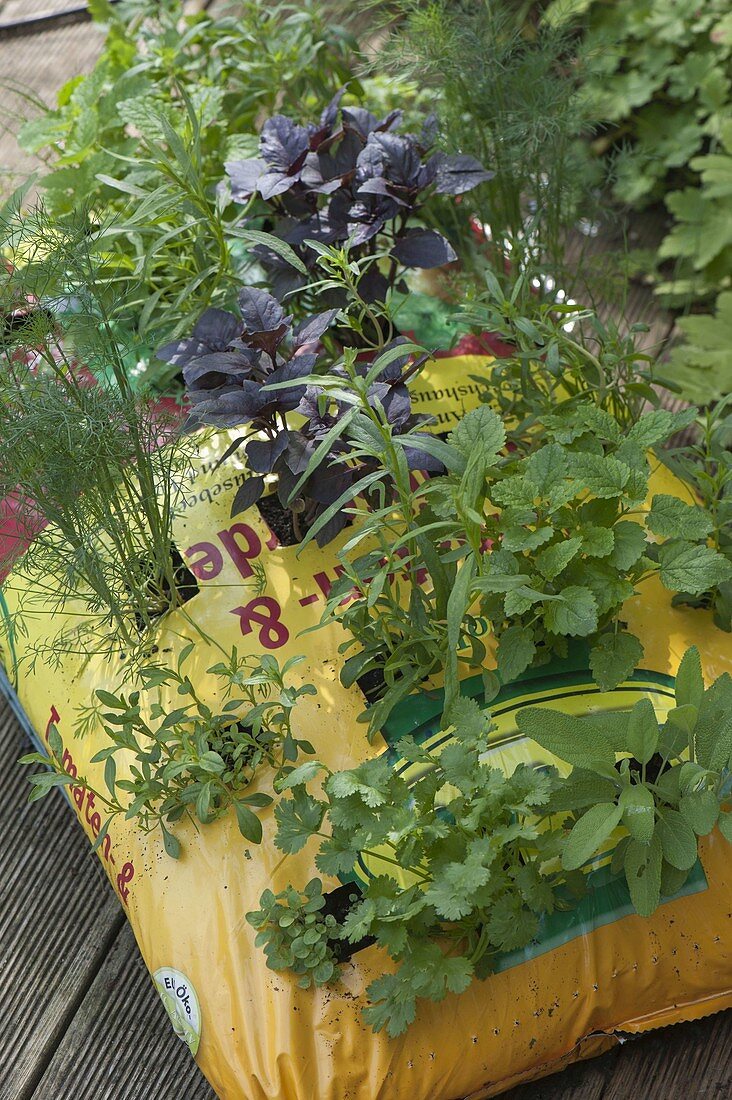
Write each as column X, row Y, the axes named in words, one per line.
column 90, row 466
column 509, row 93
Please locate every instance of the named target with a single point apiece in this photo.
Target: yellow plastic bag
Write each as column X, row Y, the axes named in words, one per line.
column 597, row 970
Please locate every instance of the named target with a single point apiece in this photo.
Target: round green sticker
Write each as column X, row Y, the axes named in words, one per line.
column 181, row 1004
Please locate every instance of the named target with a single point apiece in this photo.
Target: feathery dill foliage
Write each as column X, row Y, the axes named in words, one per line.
column 509, row 93
column 80, row 453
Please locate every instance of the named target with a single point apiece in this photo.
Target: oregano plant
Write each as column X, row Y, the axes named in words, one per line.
column 186, row 762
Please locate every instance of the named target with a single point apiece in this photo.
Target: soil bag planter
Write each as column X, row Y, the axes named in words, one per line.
column 595, row 970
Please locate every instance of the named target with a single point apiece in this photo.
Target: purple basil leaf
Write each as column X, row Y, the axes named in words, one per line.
column 312, row 328
column 180, row 352
column 330, row 113
column 361, row 121
column 374, row 285
column 391, row 120
column 260, row 311
column 394, row 156
column 284, row 144
column 217, row 328
column 428, row 133
column 328, row 482
column 300, row 366
column 457, row 174
column 263, row 453
column 264, row 319
column 214, row 367
column 244, row 176
column 271, row 184
column 420, row 460
column 423, row 248
column 332, row 528
column 309, row 406
column 247, row 494
column 299, row 452
column 377, row 185
column 395, row 401
column 231, row 406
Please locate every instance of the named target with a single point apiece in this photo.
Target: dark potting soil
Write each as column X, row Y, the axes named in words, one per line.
column 338, row 904
column 372, row 684
column 653, row 767
column 278, row 519
column 186, row 585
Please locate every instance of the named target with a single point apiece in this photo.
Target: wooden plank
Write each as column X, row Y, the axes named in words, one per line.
column 120, row 1045
column 691, row 1061
column 58, row 919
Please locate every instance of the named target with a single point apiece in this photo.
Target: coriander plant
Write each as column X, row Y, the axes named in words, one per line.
column 472, row 866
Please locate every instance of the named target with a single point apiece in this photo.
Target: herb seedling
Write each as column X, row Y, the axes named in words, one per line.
column 189, row 762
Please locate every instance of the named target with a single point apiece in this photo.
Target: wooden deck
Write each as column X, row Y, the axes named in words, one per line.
column 79, row 1017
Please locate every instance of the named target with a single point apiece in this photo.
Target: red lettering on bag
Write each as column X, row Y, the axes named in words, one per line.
column 273, row 633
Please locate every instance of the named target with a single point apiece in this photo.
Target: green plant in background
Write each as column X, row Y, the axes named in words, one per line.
column 508, row 92
column 660, row 84
column 664, row 785
column 461, row 871
column 187, row 762
column 557, row 353
column 706, row 465
column 700, row 364
column 95, row 487
column 139, row 144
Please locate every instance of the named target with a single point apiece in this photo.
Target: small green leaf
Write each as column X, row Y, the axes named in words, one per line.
column 552, row 561
column 701, row 810
column 687, row 567
column 678, row 840
column 171, row 843
column 725, row 826
column 575, row 615
column 674, row 518
column 630, row 544
column 602, row 475
column 613, row 658
column 689, row 684
column 638, row 809
column 643, row 874
column 567, row 737
column 546, row 467
column 249, row 824
column 481, row 428
column 516, row 649
column 643, row 731
column 590, row 833
column 300, row 776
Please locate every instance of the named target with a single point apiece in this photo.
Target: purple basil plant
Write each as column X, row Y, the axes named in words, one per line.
column 350, row 177
column 230, row 364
